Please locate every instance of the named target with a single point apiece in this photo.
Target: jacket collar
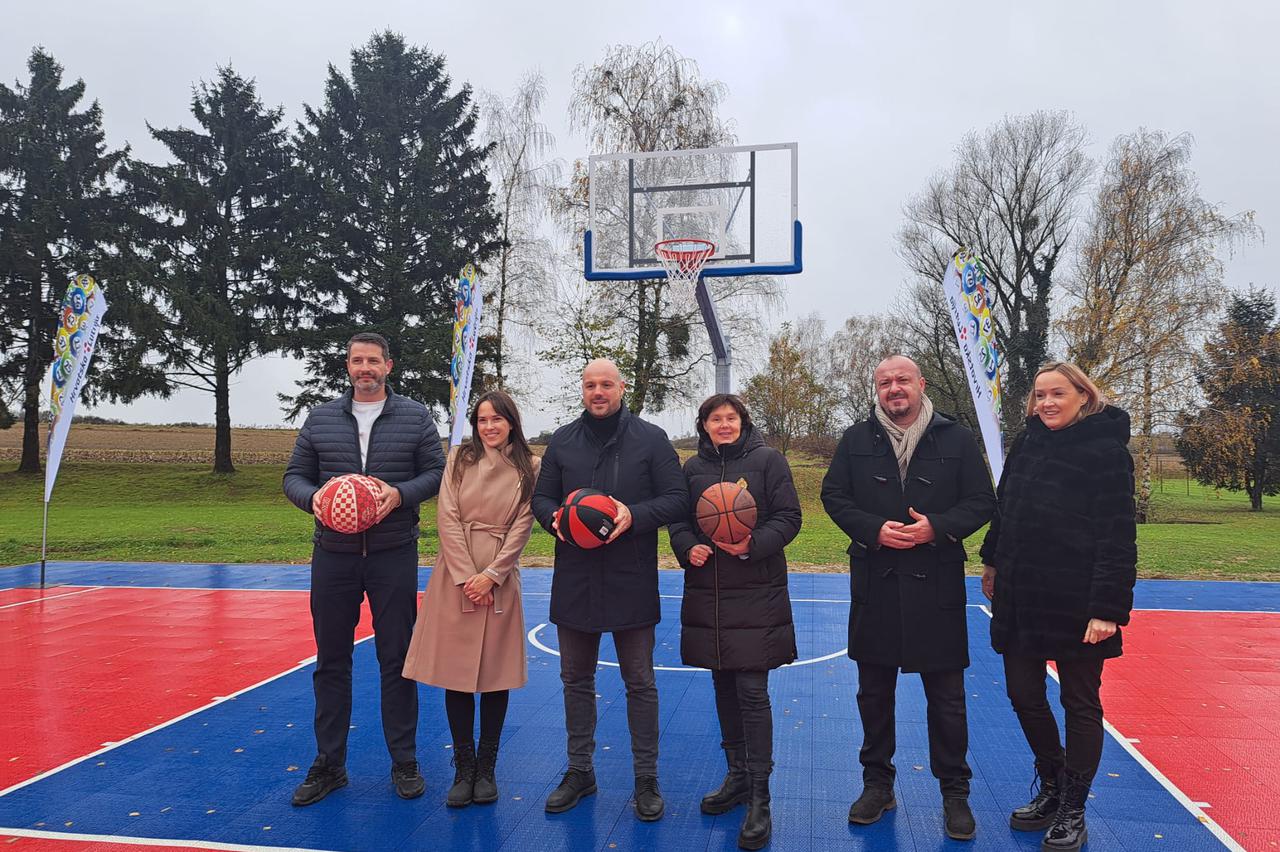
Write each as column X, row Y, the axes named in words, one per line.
column 749, row 440
column 349, row 395
column 1111, row 422
column 624, row 416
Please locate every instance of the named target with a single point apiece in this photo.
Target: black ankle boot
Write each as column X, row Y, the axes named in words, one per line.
column 1068, row 833
column 1037, row 814
column 758, row 824
column 486, row 788
column 736, row 787
column 462, row 793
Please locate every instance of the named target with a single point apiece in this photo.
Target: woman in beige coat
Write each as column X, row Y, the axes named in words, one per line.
column 469, row 636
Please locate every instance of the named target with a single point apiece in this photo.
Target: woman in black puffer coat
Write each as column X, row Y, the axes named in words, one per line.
column 1060, row 562
column 736, row 615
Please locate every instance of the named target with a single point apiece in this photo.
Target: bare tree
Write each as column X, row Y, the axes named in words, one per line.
column 524, row 181
column 651, row 98
column 1137, row 309
column 852, row 355
column 1011, row 196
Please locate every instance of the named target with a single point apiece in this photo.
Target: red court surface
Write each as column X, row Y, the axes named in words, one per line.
column 1198, row 693
column 85, row 668
column 44, row 844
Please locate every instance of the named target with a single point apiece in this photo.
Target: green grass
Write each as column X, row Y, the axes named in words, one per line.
column 183, row 513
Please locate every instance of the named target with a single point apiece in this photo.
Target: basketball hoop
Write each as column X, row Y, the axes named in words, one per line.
column 683, row 259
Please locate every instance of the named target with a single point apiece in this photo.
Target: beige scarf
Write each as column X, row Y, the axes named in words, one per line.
column 905, row 440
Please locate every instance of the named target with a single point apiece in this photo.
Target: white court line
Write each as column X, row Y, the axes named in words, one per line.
column 1182, row 798
column 1215, row 611
column 110, row 747
column 147, row 841
column 50, row 597
column 537, row 643
column 198, row 588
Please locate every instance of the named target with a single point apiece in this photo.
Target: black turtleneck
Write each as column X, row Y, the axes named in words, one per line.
column 604, row 427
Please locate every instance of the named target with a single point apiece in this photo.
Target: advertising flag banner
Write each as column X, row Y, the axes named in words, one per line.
column 965, row 286
column 466, row 336
column 79, row 321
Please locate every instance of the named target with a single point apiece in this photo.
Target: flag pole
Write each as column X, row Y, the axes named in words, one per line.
column 44, row 542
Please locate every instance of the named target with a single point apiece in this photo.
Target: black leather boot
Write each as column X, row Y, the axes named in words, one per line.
column 757, row 826
column 736, row 787
column 1067, row 832
column 957, row 818
column 462, row 793
column 1037, row 814
column 871, row 805
column 486, row 788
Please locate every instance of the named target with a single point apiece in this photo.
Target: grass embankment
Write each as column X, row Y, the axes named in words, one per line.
column 182, row 513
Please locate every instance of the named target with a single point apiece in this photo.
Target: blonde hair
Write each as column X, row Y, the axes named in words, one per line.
column 1094, row 400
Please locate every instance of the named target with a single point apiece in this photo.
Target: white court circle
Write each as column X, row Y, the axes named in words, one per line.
column 537, row 643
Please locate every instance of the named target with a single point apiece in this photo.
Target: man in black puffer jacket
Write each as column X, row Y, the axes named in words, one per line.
column 908, row 486
column 613, row 588
column 393, row 439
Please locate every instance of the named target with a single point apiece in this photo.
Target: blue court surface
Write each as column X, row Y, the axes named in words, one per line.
column 221, row 776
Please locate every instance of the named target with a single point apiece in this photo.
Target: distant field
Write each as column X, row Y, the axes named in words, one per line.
column 145, row 494
column 176, row 444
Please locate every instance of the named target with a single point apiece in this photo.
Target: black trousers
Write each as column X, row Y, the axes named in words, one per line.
column 579, row 656
column 948, row 727
column 339, row 583
column 746, row 719
column 1081, row 682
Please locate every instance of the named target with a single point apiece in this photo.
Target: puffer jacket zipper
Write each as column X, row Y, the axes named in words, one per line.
column 716, row 573
column 364, row 462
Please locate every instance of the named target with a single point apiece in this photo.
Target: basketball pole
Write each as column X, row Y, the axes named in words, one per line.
column 719, row 339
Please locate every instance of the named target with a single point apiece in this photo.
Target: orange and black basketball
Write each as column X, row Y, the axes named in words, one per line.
column 726, row 512
column 587, row 517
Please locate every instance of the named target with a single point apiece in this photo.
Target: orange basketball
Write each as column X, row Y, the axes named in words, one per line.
column 726, row 512
column 348, row 504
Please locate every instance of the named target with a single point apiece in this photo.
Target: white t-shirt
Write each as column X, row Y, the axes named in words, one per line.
column 365, row 413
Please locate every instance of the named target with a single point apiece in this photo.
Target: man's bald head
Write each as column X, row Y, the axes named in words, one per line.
column 602, row 387
column 899, row 387
column 601, row 366
column 899, row 362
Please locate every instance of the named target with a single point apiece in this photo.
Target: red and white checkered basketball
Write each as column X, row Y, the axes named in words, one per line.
column 348, row 504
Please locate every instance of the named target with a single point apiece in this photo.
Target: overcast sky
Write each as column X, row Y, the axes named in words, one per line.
column 876, row 94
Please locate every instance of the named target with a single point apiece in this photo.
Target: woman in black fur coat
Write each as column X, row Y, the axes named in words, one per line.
column 1059, row 562
column 736, row 614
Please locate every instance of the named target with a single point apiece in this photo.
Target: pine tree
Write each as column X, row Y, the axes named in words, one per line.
column 56, row 212
column 1234, row 441
column 396, row 202
column 212, row 232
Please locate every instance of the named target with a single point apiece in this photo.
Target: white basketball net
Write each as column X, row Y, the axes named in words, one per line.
column 683, row 259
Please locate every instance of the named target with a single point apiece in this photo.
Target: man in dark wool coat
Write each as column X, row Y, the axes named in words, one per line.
column 907, row 485
column 612, row 588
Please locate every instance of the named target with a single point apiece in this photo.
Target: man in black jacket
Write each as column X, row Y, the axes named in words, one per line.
column 392, row 439
column 907, row 486
column 613, row 588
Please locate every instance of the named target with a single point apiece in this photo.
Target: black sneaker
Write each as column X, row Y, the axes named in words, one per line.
column 573, row 787
column 649, row 804
column 322, row 779
column 408, row 780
